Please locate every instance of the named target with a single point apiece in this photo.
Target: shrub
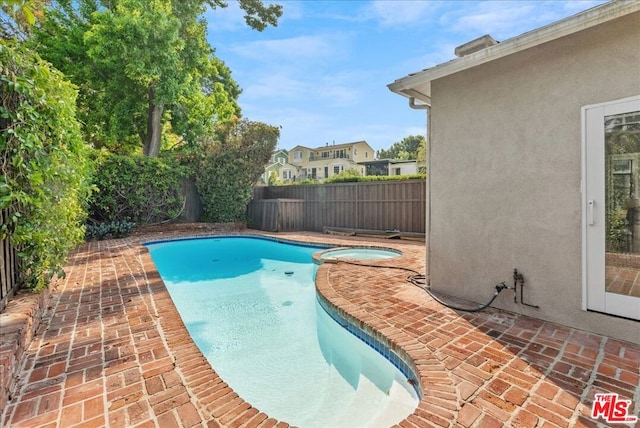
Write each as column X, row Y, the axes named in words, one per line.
column 349, row 178
column 136, row 189
column 230, row 166
column 116, row 229
column 45, row 181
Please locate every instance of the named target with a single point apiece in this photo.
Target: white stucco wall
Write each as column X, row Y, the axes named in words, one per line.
column 405, row 168
column 506, row 171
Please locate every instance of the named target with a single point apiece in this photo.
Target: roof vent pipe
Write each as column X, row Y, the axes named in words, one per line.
column 475, row 45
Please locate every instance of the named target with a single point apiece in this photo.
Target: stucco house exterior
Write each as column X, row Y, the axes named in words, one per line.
column 390, row 167
column 324, row 161
column 533, row 149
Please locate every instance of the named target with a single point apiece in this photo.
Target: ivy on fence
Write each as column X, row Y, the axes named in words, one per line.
column 45, row 172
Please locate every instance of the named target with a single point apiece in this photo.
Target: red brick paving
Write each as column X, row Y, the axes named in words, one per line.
column 623, row 280
column 112, row 351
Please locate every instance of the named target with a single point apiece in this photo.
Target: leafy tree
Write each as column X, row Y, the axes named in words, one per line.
column 421, row 157
column 274, row 179
column 137, row 44
column 141, row 64
column 403, row 150
column 202, row 106
column 230, row 165
column 18, row 16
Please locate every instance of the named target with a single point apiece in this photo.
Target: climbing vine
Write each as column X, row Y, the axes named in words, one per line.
column 45, row 172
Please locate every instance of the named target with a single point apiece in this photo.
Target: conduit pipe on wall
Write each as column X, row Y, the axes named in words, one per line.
column 427, row 109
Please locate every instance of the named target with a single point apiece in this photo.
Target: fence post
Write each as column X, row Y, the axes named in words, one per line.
column 9, row 270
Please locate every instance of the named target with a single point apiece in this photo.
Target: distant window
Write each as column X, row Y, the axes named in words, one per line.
column 337, row 169
column 281, row 161
column 398, row 171
column 297, row 154
column 355, row 151
column 325, row 154
column 286, row 174
column 622, row 166
column 366, row 154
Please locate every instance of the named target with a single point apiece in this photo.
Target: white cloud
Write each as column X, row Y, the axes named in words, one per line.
column 333, row 91
column 338, row 95
column 495, row 18
column 576, row 6
column 437, row 52
column 343, row 89
column 507, row 19
column 230, row 18
column 275, row 85
column 295, row 48
column 396, row 13
column 291, row 10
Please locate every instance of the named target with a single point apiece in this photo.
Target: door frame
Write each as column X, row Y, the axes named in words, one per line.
column 594, row 295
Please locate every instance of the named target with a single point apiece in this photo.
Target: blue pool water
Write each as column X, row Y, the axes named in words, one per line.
column 360, row 253
column 251, row 307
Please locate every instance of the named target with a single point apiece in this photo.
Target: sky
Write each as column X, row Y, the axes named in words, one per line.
column 322, row 73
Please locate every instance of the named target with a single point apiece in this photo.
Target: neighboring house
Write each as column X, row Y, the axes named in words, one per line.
column 278, row 167
column 525, row 170
column 325, row 161
column 390, row 167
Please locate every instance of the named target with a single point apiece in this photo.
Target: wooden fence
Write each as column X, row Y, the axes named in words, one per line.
column 378, row 205
column 8, row 266
column 276, row 215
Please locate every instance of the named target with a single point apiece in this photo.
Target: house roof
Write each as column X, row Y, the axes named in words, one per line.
column 330, row 146
column 299, row 147
column 275, row 164
column 333, row 146
column 386, row 161
column 418, row 85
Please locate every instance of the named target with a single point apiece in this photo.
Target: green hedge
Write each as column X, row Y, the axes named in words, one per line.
column 360, row 179
column 45, row 180
column 136, row 189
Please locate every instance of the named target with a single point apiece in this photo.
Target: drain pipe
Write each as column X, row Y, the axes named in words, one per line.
column 427, row 109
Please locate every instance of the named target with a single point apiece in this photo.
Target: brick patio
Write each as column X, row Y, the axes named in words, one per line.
column 111, row 350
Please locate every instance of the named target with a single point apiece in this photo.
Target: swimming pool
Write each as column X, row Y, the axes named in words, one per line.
column 251, row 307
column 359, row 253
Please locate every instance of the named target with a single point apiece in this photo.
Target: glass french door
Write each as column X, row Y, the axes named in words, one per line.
column 611, row 213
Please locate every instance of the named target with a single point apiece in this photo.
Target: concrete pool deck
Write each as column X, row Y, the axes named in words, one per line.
column 111, row 350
